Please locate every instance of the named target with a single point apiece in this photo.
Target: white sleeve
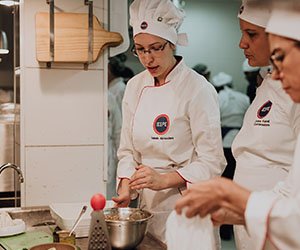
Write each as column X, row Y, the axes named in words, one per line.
column 283, row 188
column 256, row 215
column 128, row 157
column 205, row 126
column 274, row 219
column 284, row 224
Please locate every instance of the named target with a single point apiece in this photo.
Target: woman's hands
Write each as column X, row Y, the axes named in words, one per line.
column 225, row 216
column 210, row 196
column 147, row 177
column 123, row 199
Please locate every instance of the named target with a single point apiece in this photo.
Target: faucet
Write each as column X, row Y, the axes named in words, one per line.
column 15, row 167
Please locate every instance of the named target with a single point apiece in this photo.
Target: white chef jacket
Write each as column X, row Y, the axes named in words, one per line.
column 114, row 131
column 175, row 126
column 233, row 106
column 117, row 88
column 276, row 221
column 265, row 145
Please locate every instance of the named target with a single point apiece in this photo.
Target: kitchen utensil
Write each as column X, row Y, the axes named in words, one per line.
column 98, row 234
column 126, row 226
column 65, row 237
column 83, row 210
column 57, row 246
column 71, row 37
column 65, row 215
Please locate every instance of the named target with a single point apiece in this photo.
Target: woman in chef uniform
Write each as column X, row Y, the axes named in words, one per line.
column 264, row 147
column 171, row 123
column 271, row 221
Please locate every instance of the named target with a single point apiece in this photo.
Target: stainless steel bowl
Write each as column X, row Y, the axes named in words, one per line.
column 126, row 226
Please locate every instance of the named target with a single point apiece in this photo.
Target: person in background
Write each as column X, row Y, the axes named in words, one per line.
column 127, row 74
column 233, row 106
column 251, row 74
column 272, row 221
column 116, row 88
column 116, row 84
column 171, row 133
column 202, row 69
column 114, row 131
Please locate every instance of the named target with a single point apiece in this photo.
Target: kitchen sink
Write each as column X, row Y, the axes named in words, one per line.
column 33, row 216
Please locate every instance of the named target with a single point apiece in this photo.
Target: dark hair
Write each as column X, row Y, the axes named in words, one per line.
column 116, row 65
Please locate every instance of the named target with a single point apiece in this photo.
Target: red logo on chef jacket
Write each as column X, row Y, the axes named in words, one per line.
column 161, row 124
column 144, row 25
column 264, row 109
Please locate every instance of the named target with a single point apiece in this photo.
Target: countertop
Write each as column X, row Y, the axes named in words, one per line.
column 34, row 216
column 37, row 218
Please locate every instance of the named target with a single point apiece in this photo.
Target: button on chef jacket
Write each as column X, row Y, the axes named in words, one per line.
column 175, row 126
column 264, row 147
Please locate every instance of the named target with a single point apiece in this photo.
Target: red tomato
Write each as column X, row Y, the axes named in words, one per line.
column 98, row 202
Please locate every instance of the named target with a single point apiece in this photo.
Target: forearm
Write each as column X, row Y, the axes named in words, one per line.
column 235, row 197
column 123, row 186
column 172, row 180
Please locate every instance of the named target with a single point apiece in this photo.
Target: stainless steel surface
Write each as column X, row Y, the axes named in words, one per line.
column 15, row 167
column 3, row 43
column 9, row 119
column 128, row 232
column 33, row 216
column 83, row 210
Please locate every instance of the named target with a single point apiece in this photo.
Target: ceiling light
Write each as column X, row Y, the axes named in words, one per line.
column 8, row 2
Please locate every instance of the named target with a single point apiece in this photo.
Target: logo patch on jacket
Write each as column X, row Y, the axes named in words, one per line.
column 144, row 25
column 161, row 124
column 264, row 109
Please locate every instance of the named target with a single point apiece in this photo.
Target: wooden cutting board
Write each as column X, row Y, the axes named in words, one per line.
column 71, row 37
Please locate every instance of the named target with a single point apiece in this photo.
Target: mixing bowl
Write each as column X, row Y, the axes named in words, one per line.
column 126, row 226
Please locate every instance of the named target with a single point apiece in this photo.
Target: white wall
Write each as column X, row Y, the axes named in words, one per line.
column 214, row 33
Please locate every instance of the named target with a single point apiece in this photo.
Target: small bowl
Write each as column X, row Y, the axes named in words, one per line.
column 126, row 226
column 58, row 246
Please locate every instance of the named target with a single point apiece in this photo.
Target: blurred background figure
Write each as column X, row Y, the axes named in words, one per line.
column 114, row 131
column 116, row 83
column 202, row 69
column 127, row 74
column 116, row 88
column 251, row 74
column 233, row 106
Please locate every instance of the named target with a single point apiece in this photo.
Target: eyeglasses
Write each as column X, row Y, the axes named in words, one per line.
column 278, row 56
column 154, row 50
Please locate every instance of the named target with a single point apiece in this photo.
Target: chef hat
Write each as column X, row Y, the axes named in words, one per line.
column 158, row 17
column 248, row 68
column 255, row 13
column 285, row 20
column 221, row 79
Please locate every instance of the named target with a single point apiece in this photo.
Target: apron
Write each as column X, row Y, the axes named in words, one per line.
column 153, row 133
column 161, row 204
